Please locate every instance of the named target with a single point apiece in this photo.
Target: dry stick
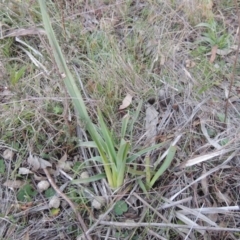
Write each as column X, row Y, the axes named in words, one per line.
column 164, row 225
column 71, row 204
column 234, row 65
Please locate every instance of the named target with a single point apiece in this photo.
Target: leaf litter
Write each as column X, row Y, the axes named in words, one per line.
column 37, row 162
column 126, row 102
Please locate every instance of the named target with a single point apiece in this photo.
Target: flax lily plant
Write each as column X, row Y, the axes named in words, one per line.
column 114, row 158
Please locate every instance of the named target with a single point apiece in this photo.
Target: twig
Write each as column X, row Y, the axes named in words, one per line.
column 172, row 204
column 71, row 204
column 234, row 65
column 164, row 225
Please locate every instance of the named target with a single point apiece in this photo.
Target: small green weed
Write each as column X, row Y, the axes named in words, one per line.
column 213, row 36
column 50, row 192
column 16, row 74
column 120, row 207
column 26, row 193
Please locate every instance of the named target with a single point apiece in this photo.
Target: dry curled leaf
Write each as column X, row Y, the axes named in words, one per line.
column 190, row 64
column 24, row 171
column 8, row 154
column 98, row 202
column 44, row 163
column 213, row 53
column 63, row 158
column 54, row 202
column 37, row 162
column 43, row 185
column 126, row 102
column 13, row 184
column 33, row 161
column 64, row 164
column 38, row 178
column 85, row 175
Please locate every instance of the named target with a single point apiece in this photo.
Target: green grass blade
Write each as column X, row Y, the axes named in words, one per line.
column 165, row 165
column 145, row 150
column 207, row 25
column 135, row 172
column 135, row 117
column 142, row 186
column 89, row 144
column 66, row 74
column 125, row 121
column 148, row 171
column 108, row 139
column 121, row 161
column 90, row 179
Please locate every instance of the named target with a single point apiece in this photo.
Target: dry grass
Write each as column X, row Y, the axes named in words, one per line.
column 136, row 47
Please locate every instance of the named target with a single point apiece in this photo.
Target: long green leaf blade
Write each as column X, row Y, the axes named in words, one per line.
column 121, row 161
column 165, row 165
column 108, row 139
column 145, row 150
column 125, row 121
column 90, row 179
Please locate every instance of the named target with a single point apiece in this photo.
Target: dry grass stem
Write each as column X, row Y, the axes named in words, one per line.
column 206, row 174
column 71, row 204
column 168, row 225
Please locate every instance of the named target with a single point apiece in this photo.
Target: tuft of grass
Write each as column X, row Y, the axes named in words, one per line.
column 214, row 36
column 114, row 158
